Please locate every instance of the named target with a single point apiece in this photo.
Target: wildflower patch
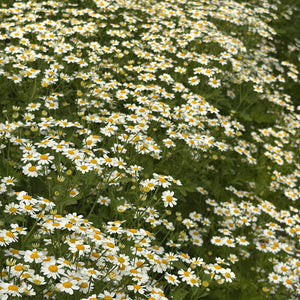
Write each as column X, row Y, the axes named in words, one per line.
column 149, row 150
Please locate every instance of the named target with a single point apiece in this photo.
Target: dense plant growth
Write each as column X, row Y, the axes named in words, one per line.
column 149, row 150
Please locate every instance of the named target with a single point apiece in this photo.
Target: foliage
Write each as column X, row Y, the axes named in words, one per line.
column 150, row 150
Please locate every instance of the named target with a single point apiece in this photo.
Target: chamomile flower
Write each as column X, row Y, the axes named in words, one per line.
column 12, row 290
column 67, row 285
column 37, row 279
column 51, row 269
column 44, row 159
column 228, row 274
column 149, row 185
column 172, row 279
column 218, row 241
column 193, row 280
column 233, row 258
column 274, row 278
column 169, row 199
column 34, row 256
column 169, row 143
column 106, row 295
column 215, row 83
column 194, row 80
column 288, row 281
column 79, row 247
column 12, row 208
column 136, row 288
column 83, row 167
column 162, row 180
column 94, row 297
column 31, row 170
column 229, row 242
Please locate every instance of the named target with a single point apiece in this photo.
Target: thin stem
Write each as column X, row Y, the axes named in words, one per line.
column 30, row 232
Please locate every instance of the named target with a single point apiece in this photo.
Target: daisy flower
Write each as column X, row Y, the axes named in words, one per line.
column 162, row 180
column 136, row 288
column 149, row 185
column 105, row 295
column 31, row 170
column 233, row 258
column 215, row 83
column 168, row 143
column 230, row 94
column 44, row 159
column 228, row 242
column 12, row 208
column 188, row 223
column 51, row 270
column 193, row 280
column 9, row 180
column 11, row 289
column 288, row 281
column 188, row 276
column 194, row 80
column 274, row 278
column 168, row 199
column 228, row 274
column 180, row 70
column 195, row 216
column 79, row 248
column 28, row 117
column 94, row 297
column 33, row 256
column 172, row 279
column 28, row 289
column 258, row 89
column 18, row 269
column 83, row 167
column 218, row 241
column 68, row 286
column 104, row 201
column 37, row 279
column 73, row 192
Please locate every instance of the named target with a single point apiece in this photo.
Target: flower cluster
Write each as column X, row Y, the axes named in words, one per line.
column 149, row 151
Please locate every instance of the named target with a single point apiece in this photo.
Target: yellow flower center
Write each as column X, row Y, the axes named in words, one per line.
column 169, row 198
column 13, row 288
column 34, row 255
column 53, row 268
column 121, row 260
column 79, row 247
column 31, row 168
column 67, row 284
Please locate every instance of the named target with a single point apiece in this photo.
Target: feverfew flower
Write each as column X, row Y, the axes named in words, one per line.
column 218, row 241
column 172, row 279
column 67, row 285
column 228, row 274
column 51, row 269
column 31, row 170
column 168, row 199
column 33, row 256
column 194, row 80
column 136, row 288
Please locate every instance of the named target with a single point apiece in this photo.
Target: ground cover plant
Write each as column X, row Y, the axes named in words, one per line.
column 149, row 150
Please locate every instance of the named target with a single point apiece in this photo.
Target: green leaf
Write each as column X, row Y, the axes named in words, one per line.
column 179, row 294
column 179, row 264
column 182, row 191
column 203, row 295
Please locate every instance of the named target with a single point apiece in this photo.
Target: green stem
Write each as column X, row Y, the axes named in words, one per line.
column 95, row 202
column 144, row 211
column 109, row 283
column 30, row 232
